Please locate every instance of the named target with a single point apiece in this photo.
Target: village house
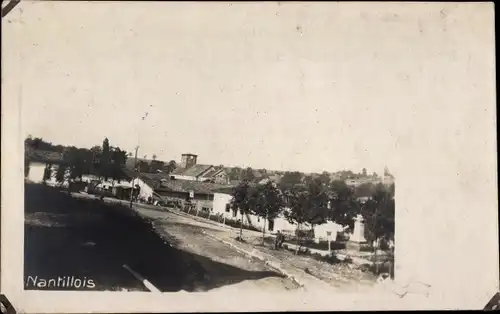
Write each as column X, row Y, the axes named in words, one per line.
column 190, row 170
column 162, row 187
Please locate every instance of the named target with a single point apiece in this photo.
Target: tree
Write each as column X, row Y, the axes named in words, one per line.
column 170, row 166
column 47, row 173
column 240, row 201
column 26, row 166
column 38, row 143
column 247, row 175
column 364, row 173
column 307, row 205
column 105, row 160
column 379, row 214
column 365, row 189
column 392, row 190
column 154, row 156
column 60, row 175
column 118, row 160
column 290, row 179
column 386, row 172
column 325, row 178
column 143, row 166
column 156, row 165
column 343, row 204
column 235, row 173
column 266, row 202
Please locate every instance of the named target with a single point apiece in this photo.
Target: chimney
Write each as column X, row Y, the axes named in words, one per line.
column 188, row 160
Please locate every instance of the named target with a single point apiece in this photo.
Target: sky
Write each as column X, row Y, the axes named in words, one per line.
column 282, row 86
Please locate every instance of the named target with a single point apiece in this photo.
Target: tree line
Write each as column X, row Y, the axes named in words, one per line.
column 105, row 161
column 315, row 201
column 254, row 175
column 155, row 166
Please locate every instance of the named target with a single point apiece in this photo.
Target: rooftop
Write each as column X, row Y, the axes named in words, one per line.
column 193, row 171
column 162, row 183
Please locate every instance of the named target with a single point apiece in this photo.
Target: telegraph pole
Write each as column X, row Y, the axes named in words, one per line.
column 133, row 179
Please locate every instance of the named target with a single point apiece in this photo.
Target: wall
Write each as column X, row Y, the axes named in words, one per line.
column 219, row 207
column 174, row 195
column 146, row 191
column 320, row 230
column 182, row 177
column 36, row 172
column 220, row 201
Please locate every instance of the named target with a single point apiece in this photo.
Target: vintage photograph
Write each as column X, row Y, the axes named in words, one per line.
column 228, row 157
column 176, row 154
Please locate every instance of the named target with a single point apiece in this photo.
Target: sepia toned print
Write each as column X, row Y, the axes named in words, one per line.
column 101, row 219
column 243, row 156
column 165, row 201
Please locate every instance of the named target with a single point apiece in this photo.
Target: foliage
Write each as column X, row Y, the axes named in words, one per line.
column 265, row 201
column 60, row 175
column 307, row 204
column 242, row 201
column 47, row 172
column 26, row 166
column 365, row 189
column 343, row 204
column 269, row 201
column 379, row 214
column 143, row 166
column 118, row 158
column 170, row 166
column 39, row 143
column 105, row 161
column 247, row 175
column 234, row 173
column 290, row 179
column 156, row 166
column 240, row 198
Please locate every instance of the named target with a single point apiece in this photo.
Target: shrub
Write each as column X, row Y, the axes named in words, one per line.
column 366, row 248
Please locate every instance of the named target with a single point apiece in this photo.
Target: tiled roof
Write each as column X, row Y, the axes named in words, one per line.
column 193, row 171
column 195, row 186
column 213, row 172
column 162, row 182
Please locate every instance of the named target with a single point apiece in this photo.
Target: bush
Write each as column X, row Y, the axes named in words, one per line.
column 365, row 248
column 305, row 234
column 332, row 259
column 323, row 245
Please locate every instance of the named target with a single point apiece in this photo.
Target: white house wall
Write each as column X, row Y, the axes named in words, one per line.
column 182, row 177
column 280, row 223
column 36, row 172
column 146, row 191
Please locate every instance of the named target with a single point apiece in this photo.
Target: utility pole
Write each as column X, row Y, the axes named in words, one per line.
column 133, row 179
